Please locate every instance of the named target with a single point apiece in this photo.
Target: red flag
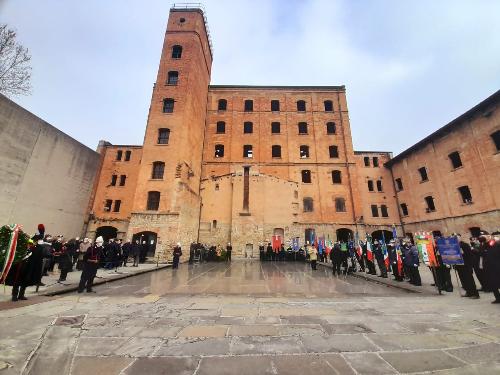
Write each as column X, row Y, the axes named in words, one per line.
column 399, row 262
column 369, row 252
column 276, row 243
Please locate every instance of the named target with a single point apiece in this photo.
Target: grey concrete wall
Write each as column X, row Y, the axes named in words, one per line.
column 45, row 175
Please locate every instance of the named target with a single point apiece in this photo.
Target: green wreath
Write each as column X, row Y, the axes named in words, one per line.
column 22, row 244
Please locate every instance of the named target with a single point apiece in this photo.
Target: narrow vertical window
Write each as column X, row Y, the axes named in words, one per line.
column 113, row 180
column 128, row 153
column 366, row 160
column 308, row 204
column 153, row 202
column 375, row 161
column 374, row 210
column 465, row 194
column 455, row 160
column 301, row 106
column 404, row 209
column 168, row 105
column 219, row 151
column 429, row 200
column 496, row 139
column 176, row 52
column 379, row 185
column 336, row 177
column 221, row 127
column 247, row 127
column 302, row 127
column 399, row 184
column 370, row 185
column 247, row 151
column 304, row 152
column 423, row 174
column 222, row 105
column 276, row 151
column 333, row 151
column 248, row 105
column 119, row 154
column 275, row 105
column 118, row 203
column 123, row 178
column 108, row 204
column 330, row 128
column 173, row 78
column 163, row 136
column 340, row 205
column 306, row 176
column 246, row 188
column 158, row 170
column 275, row 127
column 383, row 211
column 328, row 106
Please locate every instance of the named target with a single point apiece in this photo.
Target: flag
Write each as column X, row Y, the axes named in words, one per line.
column 369, row 251
column 357, row 245
column 384, row 251
column 276, row 243
column 321, row 244
column 399, row 260
column 295, row 244
column 312, row 237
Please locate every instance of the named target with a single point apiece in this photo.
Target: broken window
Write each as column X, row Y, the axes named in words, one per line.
column 219, row 151
column 247, row 151
column 423, row 174
column 306, row 176
column 107, row 205
column 304, row 152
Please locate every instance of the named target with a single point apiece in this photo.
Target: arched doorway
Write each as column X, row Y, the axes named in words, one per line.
column 106, row 232
column 377, row 235
column 147, row 241
column 344, row 234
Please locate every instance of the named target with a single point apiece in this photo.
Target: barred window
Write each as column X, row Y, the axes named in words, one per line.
column 163, row 136
column 176, row 52
column 173, row 78
column 340, row 205
column 158, row 170
column 153, row 201
column 168, row 105
column 308, row 204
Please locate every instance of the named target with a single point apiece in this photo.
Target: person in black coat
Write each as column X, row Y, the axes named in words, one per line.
column 465, row 270
column 65, row 262
column 411, row 262
column 262, row 253
column 229, row 250
column 379, row 256
column 26, row 272
column 393, row 259
column 490, row 249
column 91, row 260
column 269, row 250
column 135, row 251
column 336, row 258
column 176, row 254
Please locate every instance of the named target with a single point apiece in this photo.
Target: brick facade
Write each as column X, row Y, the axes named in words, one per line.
column 209, row 191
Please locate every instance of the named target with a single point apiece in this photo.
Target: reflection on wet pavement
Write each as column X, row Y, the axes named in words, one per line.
column 248, row 278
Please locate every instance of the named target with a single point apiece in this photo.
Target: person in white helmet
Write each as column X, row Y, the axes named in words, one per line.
column 91, row 260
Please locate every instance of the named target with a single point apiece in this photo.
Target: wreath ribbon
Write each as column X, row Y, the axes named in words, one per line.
column 11, row 252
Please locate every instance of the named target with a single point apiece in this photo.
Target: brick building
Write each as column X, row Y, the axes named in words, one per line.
column 240, row 164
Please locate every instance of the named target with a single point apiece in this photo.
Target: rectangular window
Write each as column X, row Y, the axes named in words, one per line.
column 375, row 161
column 168, row 105
column 222, row 105
column 423, row 174
column 247, row 151
column 301, row 106
column 404, row 209
column 399, row 184
column 118, row 203
column 302, row 127
column 496, row 139
column 330, row 128
column 219, row 151
column 306, row 176
column 123, row 178
column 308, row 204
column 107, row 205
column 276, row 151
column 383, row 211
column 374, row 210
column 379, row 185
column 465, row 194
column 275, row 105
column 248, row 105
column 247, row 127
column 173, row 78
column 275, row 127
column 113, row 180
column 340, row 205
column 333, row 151
column 370, row 185
column 246, row 188
column 163, row 136
column 221, row 127
column 455, row 160
column 127, row 155
column 119, row 154
column 430, row 204
column 304, row 152
column 367, row 161
column 153, row 202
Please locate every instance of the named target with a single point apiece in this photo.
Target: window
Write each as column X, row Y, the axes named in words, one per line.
column 119, row 154
column 275, row 105
column 399, row 184
column 118, row 203
column 275, row 127
column 496, row 139
column 379, row 185
column 306, row 176
column 366, row 160
column 333, row 151
column 309, row 235
column 214, row 224
column 158, row 170
column 248, row 105
column 107, row 205
column 276, row 151
column 423, row 174
column 153, row 200
column 163, row 136
column 219, row 151
column 328, row 105
column 465, row 194
column 216, row 187
column 340, row 205
column 301, row 106
column 123, row 178
column 455, row 159
column 221, row 127
column 370, row 185
column 404, row 209
column 336, row 177
column 330, row 128
column 113, row 180
column 304, row 152
column 176, row 52
column 168, row 105
column 247, row 127
column 173, row 78
column 127, row 155
column 302, row 127
column 430, row 204
column 247, row 151
column 383, row 211
column 295, row 194
column 375, row 161
column 374, row 210
column 308, row 204
column 222, row 105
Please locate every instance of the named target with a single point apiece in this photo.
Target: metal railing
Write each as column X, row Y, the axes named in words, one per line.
column 201, row 7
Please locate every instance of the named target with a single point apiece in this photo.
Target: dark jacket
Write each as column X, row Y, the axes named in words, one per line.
column 177, row 252
column 29, row 271
column 491, row 253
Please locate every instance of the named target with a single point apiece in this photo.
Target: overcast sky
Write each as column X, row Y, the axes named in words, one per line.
column 409, row 66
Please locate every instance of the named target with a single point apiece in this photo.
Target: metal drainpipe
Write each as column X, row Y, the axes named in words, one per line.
column 397, row 200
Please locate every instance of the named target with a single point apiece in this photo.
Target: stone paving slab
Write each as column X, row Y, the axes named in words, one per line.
column 194, row 347
column 100, row 365
column 266, row 345
column 337, row 343
column 204, row 331
column 160, row 366
column 478, row 354
column 409, row 362
column 317, row 364
column 369, row 364
column 236, row 365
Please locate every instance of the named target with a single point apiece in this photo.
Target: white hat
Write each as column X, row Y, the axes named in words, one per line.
column 178, row 244
column 99, row 239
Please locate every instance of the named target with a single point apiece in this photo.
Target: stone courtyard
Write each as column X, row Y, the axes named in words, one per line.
column 250, row 318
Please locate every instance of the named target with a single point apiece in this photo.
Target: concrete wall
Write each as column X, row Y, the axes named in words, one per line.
column 46, row 176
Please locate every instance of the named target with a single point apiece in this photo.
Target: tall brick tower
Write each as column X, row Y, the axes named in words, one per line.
column 167, row 200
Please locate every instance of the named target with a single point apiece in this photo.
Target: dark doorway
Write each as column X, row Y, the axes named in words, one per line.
column 437, row 233
column 309, row 236
column 344, row 234
column 106, row 232
column 377, row 235
column 147, row 241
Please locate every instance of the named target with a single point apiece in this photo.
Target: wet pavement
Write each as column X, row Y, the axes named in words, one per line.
column 251, row 318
